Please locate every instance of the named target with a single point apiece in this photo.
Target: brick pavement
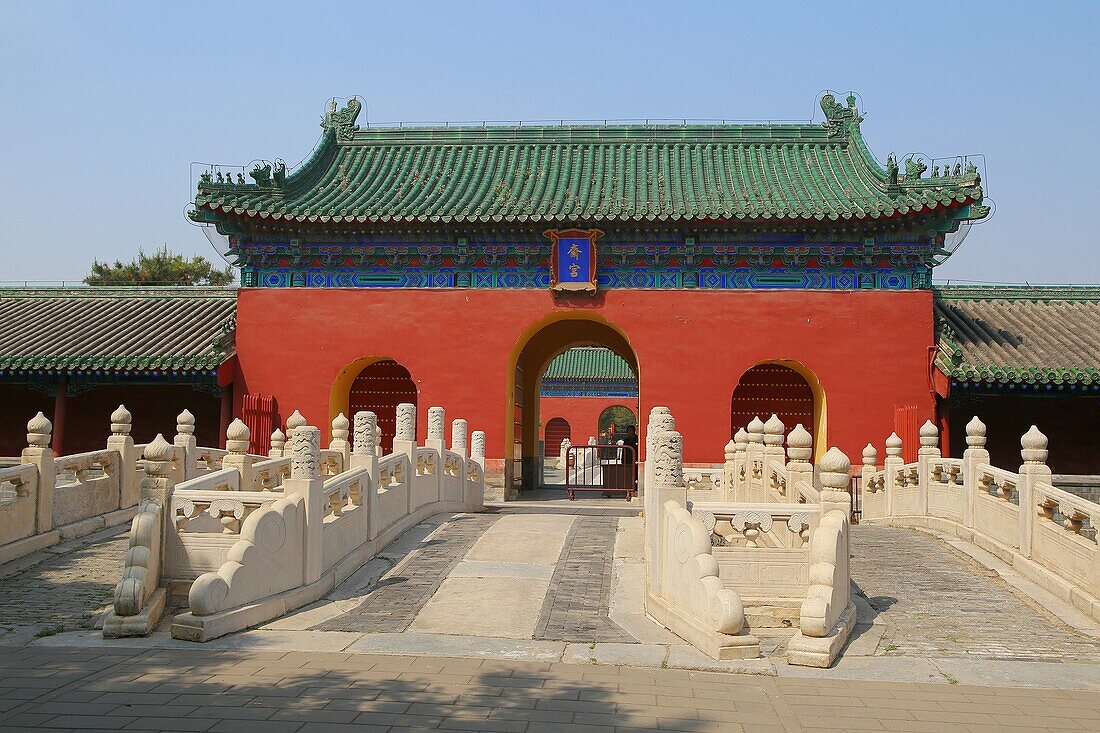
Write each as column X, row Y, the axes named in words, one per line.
column 577, row 603
column 62, row 588
column 231, row 690
column 937, row 602
column 393, row 604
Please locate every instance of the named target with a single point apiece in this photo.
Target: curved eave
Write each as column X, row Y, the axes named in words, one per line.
column 916, row 209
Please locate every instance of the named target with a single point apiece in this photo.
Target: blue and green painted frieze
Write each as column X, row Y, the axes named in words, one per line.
column 663, row 266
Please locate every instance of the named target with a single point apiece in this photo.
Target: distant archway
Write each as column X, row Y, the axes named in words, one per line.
column 785, row 388
column 380, row 387
column 614, row 421
column 537, row 346
column 557, row 429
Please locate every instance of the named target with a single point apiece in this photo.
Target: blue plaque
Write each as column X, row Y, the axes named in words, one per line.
column 573, row 260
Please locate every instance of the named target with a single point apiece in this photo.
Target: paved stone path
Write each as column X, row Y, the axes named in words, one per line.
column 203, row 689
column 397, row 599
column 577, row 604
column 62, row 588
column 937, row 602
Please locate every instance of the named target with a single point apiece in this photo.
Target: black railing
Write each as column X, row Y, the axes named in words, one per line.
column 609, row 469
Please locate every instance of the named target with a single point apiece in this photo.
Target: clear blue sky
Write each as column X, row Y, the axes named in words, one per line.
column 105, row 105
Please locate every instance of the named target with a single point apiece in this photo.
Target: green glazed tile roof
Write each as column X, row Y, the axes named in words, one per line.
column 589, row 363
column 591, row 173
column 1019, row 335
column 116, row 329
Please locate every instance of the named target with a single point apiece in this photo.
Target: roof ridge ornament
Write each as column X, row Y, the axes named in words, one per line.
column 342, row 120
column 838, row 118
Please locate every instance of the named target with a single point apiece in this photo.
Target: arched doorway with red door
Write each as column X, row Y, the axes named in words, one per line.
column 380, row 387
column 787, row 389
column 557, row 429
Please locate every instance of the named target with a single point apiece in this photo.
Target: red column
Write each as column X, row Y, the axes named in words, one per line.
column 226, row 414
column 59, row 416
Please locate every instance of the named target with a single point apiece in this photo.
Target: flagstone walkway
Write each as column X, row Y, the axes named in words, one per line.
column 934, row 601
column 512, row 575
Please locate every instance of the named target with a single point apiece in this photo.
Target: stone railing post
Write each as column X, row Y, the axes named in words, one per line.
column 129, row 483
column 754, row 460
column 437, row 417
column 890, row 466
column 365, row 455
column 459, row 430
column 668, row 485
column 799, row 452
column 974, row 455
column 477, row 448
column 339, row 442
column 773, row 451
column 660, row 420
column 929, row 451
column 305, row 479
column 458, row 437
column 39, row 453
column 185, row 438
column 1033, row 451
column 405, row 442
column 835, row 477
column 729, row 458
column 236, row 442
column 739, row 482
column 295, row 421
column 278, row 443
column 870, row 466
column 563, row 454
column 163, row 470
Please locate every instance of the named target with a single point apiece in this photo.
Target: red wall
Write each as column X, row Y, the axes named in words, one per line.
column 869, row 349
column 582, row 414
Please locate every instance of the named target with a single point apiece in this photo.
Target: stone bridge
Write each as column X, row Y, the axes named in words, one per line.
column 547, row 579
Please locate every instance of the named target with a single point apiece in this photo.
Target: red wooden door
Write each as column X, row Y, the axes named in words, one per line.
column 557, row 430
column 380, row 388
column 769, row 388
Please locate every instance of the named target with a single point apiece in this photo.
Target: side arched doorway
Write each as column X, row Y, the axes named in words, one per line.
column 380, row 387
column 794, row 394
column 557, row 429
column 532, row 355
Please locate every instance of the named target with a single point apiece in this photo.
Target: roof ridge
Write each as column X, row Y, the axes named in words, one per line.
column 1017, row 292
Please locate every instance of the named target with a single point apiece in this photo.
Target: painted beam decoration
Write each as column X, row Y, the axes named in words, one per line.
column 573, row 259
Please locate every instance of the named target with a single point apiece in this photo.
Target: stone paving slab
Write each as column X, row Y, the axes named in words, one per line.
column 207, row 689
column 486, row 569
column 401, row 593
column 505, row 607
column 578, row 602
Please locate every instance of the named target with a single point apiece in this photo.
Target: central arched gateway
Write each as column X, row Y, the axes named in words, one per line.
column 539, row 344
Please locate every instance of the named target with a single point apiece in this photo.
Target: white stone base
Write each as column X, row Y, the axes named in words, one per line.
column 713, row 644
column 810, row 651
column 117, row 627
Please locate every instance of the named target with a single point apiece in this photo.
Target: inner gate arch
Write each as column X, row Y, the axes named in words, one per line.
column 536, row 348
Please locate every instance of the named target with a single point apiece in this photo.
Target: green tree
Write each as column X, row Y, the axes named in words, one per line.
column 160, row 268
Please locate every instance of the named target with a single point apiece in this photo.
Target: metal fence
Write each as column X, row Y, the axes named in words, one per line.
column 608, row 469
